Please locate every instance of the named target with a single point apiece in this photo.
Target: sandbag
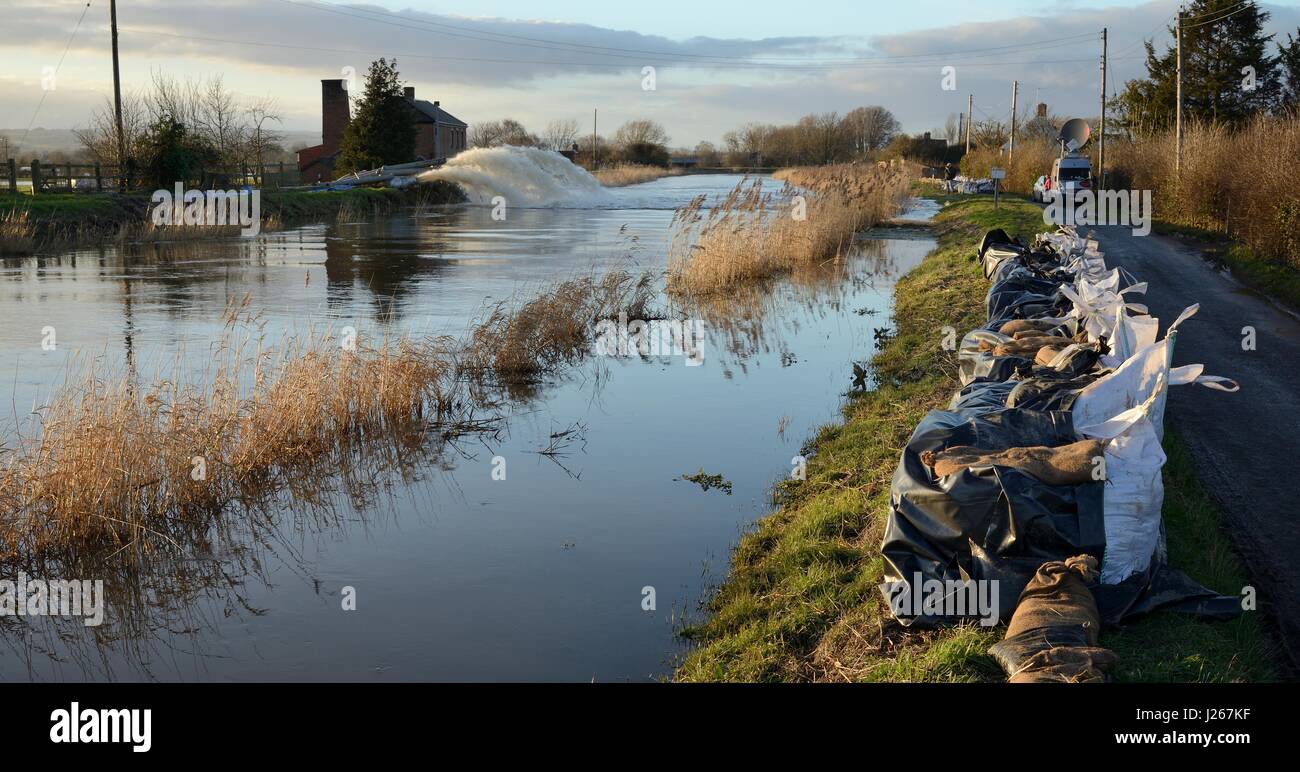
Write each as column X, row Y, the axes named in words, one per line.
column 1072, row 464
column 1053, row 634
column 986, row 520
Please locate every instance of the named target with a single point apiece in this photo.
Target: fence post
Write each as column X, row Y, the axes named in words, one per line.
column 36, row 176
column 99, row 179
column 13, row 176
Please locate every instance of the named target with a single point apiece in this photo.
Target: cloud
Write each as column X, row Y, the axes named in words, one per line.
column 538, row 71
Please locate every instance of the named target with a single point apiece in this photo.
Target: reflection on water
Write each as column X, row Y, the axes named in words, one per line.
column 456, row 574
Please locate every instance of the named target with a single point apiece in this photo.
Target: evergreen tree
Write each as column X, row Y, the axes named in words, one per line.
column 382, row 129
column 1288, row 56
column 1228, row 75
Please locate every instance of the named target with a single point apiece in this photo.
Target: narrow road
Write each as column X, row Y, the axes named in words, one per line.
column 1246, row 445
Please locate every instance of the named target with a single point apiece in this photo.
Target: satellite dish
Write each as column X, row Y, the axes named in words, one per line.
column 1074, row 134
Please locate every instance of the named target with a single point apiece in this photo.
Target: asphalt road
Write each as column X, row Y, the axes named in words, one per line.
column 1244, row 445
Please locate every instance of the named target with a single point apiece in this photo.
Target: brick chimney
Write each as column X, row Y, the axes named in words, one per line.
column 409, row 91
column 334, row 114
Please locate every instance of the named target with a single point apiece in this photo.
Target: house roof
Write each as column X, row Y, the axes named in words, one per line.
column 427, row 110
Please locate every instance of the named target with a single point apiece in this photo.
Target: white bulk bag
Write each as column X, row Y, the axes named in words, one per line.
column 1134, row 493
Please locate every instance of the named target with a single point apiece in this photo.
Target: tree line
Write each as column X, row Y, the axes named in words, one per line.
column 1232, row 72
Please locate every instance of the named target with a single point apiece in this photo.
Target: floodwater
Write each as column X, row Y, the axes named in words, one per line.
column 455, row 575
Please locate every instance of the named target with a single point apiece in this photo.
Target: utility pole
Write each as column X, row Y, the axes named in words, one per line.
column 117, row 103
column 593, row 139
column 1101, row 136
column 970, row 104
column 1178, row 120
column 1011, row 147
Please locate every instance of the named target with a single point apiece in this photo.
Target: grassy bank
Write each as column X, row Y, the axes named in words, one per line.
column 53, row 219
column 800, row 601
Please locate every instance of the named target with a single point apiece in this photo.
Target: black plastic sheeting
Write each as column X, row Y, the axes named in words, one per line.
column 999, row 523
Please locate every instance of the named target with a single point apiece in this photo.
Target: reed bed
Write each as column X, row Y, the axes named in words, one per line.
column 754, row 235
column 554, row 328
column 631, row 174
column 1236, row 182
column 17, row 234
column 109, row 464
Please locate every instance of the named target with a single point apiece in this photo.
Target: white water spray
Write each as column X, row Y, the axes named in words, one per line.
column 525, row 176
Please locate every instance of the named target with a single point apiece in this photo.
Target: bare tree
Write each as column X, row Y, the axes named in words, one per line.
column 640, row 131
column 99, row 137
column 262, row 141
column 870, row 129
column 560, row 135
column 507, row 131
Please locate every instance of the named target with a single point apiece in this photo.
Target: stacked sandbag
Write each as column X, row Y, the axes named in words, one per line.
column 1051, row 448
column 1052, row 637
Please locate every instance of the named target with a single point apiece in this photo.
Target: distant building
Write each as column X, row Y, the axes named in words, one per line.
column 684, row 161
column 438, row 134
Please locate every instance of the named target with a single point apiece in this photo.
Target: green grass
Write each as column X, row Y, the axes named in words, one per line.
column 800, row 600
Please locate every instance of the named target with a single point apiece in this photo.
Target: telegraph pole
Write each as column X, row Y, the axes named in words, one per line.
column 1101, row 136
column 593, row 139
column 970, row 104
column 1178, row 121
column 117, row 103
column 1011, row 147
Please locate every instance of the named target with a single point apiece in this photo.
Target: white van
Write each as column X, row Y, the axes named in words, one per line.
column 1071, row 174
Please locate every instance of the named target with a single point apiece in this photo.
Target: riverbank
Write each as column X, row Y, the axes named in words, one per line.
column 53, row 220
column 800, row 602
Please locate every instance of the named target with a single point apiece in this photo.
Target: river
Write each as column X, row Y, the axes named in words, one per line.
column 543, row 575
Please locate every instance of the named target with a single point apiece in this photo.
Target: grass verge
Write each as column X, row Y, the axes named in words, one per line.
column 800, row 601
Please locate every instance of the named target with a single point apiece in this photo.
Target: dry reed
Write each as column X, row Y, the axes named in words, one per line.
column 1237, row 182
column 109, row 464
column 631, row 174
column 752, row 235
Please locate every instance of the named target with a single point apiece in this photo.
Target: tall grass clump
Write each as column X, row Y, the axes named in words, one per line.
column 553, row 328
column 631, row 174
column 111, row 464
column 114, row 463
column 1032, row 158
column 753, row 234
column 17, row 233
column 1237, row 182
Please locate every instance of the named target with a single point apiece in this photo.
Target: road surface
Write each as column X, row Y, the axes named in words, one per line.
column 1246, row 445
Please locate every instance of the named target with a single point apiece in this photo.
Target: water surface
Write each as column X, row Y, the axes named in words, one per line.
column 457, row 576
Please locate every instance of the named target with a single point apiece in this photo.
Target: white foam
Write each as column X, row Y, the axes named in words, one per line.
column 524, row 176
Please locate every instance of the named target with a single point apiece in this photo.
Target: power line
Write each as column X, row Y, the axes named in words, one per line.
column 46, row 92
column 1244, row 7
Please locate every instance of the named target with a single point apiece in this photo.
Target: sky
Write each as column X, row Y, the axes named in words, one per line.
column 716, row 65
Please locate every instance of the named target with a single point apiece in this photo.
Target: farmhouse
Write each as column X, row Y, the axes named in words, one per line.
column 438, row 133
